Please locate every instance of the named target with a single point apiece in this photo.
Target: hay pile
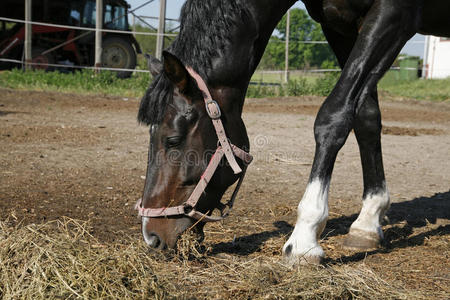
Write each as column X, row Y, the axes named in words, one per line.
column 60, row 259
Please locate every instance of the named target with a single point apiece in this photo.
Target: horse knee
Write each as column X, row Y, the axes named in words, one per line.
column 331, row 131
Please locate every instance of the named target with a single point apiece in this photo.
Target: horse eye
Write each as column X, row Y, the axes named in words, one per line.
column 173, row 141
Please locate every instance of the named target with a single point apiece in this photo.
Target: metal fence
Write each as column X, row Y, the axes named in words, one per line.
column 26, row 58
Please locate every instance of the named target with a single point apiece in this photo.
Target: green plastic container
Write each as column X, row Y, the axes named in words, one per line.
column 409, row 66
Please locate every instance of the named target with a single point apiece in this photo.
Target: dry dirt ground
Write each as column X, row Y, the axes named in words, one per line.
column 85, row 157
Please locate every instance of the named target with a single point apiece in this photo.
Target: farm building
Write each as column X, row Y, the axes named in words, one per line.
column 437, row 57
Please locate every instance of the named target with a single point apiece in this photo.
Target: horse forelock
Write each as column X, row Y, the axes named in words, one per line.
column 206, row 30
column 153, row 104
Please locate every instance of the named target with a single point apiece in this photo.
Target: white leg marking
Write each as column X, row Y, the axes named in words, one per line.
column 372, row 212
column 312, row 217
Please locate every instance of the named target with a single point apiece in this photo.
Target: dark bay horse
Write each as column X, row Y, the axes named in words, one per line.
column 222, row 42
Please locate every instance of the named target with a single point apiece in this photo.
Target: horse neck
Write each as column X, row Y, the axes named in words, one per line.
column 230, row 74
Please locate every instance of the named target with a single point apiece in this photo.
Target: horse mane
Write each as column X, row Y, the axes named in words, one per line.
column 205, row 31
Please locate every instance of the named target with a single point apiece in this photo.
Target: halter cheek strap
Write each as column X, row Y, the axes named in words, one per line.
column 225, row 148
column 213, row 110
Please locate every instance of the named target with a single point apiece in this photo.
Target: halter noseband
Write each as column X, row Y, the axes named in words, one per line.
column 224, row 148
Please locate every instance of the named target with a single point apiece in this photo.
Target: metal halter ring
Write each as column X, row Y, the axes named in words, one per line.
column 215, row 113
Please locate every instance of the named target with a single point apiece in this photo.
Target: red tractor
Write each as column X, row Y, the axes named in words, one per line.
column 57, row 45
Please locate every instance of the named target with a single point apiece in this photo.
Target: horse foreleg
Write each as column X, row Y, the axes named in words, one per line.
column 366, row 233
column 332, row 126
column 386, row 28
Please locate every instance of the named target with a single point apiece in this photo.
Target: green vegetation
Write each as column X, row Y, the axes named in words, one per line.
column 106, row 82
column 148, row 42
column 301, row 55
column 431, row 90
column 278, row 78
column 86, row 82
column 319, row 85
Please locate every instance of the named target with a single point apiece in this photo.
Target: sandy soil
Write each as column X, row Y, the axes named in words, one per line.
column 85, row 157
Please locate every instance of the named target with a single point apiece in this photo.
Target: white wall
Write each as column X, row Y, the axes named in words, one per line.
column 437, row 58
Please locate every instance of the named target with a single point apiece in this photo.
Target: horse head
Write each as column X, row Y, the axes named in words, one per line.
column 183, row 141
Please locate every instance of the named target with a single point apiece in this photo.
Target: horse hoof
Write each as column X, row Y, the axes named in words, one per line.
column 368, row 241
column 311, row 260
column 314, row 257
column 303, row 256
column 304, row 260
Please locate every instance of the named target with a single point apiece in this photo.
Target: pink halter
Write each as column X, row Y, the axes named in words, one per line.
column 224, row 148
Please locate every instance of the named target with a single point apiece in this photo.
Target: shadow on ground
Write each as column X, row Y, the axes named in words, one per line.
column 5, row 113
column 417, row 213
column 248, row 244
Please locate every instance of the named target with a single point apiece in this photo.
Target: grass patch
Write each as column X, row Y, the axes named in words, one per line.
column 259, row 76
column 83, row 82
column 60, row 259
column 420, row 89
column 297, row 86
column 87, row 82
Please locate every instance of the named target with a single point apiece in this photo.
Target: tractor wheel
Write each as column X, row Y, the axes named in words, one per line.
column 118, row 53
column 40, row 61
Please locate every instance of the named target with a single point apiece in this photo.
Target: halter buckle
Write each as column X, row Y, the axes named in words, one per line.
column 187, row 208
column 213, row 109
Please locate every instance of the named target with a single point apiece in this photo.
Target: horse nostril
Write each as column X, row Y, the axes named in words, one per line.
column 150, row 237
column 153, row 240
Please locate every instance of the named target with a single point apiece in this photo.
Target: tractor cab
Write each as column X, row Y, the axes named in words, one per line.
column 115, row 15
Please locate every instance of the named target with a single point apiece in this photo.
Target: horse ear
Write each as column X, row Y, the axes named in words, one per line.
column 176, row 71
column 154, row 65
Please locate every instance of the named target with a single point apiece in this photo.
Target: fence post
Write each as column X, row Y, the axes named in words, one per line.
column 98, row 34
column 161, row 29
column 286, row 53
column 28, row 34
column 425, row 58
column 134, row 25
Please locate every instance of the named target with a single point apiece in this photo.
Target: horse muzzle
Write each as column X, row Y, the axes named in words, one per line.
column 162, row 233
